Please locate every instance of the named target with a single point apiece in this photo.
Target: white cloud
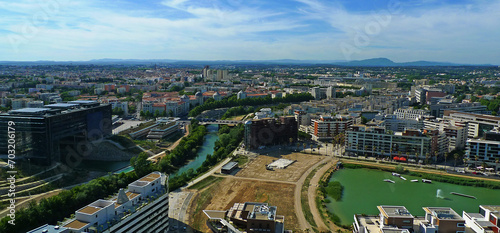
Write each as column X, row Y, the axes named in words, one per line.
column 82, row 30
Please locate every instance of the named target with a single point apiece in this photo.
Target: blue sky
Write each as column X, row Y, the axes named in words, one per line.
column 461, row 31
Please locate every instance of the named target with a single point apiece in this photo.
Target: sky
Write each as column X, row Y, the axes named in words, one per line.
column 459, row 31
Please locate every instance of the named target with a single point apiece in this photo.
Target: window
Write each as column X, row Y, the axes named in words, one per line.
column 460, row 224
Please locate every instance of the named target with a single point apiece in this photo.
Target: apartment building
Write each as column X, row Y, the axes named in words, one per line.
column 326, row 127
column 143, row 207
column 439, row 109
column 485, row 150
column 395, row 217
column 477, row 124
column 442, row 220
column 486, row 221
column 410, row 113
column 376, row 141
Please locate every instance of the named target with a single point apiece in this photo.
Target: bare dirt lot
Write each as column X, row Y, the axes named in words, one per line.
column 257, row 167
column 224, row 193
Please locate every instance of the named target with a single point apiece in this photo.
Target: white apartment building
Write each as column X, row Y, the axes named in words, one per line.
column 410, row 113
column 477, row 124
column 143, row 207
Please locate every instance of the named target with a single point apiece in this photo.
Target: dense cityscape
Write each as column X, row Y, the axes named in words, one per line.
column 249, row 147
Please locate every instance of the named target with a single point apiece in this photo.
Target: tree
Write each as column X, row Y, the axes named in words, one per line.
column 496, row 165
column 141, row 164
column 455, row 156
column 445, row 156
column 364, row 120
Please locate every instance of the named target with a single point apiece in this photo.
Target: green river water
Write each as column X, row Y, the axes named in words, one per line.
column 364, row 190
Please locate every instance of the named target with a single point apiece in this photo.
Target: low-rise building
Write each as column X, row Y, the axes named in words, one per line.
column 254, row 217
column 442, row 220
column 486, row 221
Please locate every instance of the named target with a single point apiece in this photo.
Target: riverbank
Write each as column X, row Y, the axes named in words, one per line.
column 435, row 174
column 365, row 189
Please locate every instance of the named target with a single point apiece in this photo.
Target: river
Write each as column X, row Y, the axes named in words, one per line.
column 124, row 166
column 203, row 151
column 364, row 190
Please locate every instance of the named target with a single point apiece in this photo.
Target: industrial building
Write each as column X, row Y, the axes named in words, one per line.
column 46, row 134
column 270, row 131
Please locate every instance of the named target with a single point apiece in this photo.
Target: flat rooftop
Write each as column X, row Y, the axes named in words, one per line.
column 492, row 208
column 229, row 166
column 48, row 229
column 443, row 213
column 131, row 195
column 475, row 215
column 89, row 210
column 151, row 177
column 61, row 105
column 215, row 214
column 395, row 211
column 76, row 224
column 281, row 163
column 372, row 223
column 30, row 110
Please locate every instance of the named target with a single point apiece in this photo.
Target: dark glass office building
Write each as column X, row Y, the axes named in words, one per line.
column 50, row 134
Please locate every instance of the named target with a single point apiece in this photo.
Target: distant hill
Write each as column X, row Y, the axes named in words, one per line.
column 382, row 62
column 374, row 62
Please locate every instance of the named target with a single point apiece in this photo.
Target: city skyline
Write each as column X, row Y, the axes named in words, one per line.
column 444, row 31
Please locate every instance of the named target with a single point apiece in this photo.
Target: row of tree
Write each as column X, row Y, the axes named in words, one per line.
column 186, row 149
column 228, row 141
column 236, row 111
column 233, row 101
column 157, row 113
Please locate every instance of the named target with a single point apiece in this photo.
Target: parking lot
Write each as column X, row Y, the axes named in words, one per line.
column 126, row 124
